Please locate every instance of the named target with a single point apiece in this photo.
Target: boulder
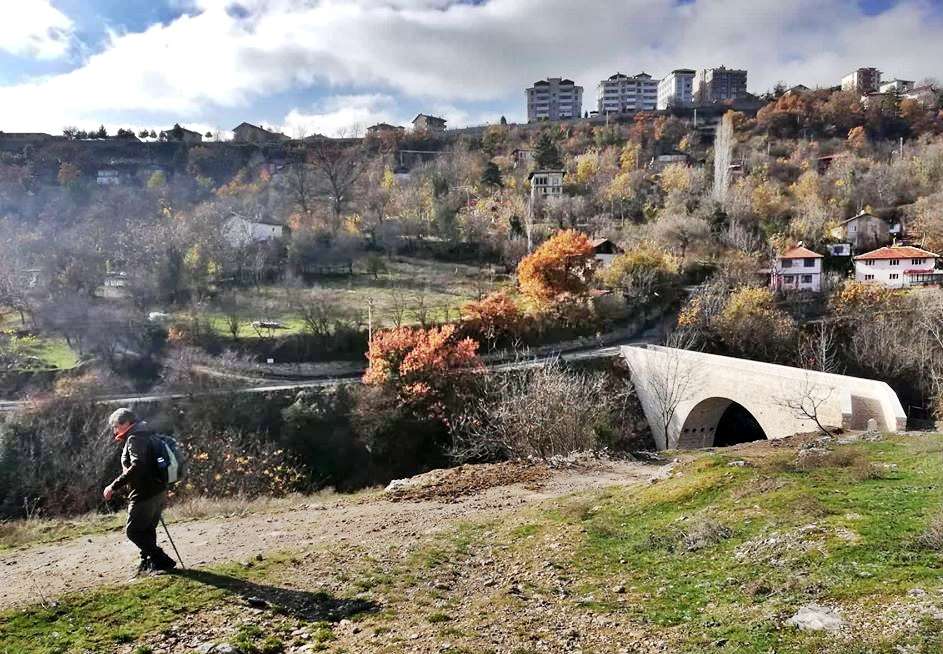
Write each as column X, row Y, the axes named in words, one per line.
column 813, row 617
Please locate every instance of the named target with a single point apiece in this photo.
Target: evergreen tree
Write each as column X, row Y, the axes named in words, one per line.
column 546, row 153
column 504, row 121
column 102, row 133
column 491, row 176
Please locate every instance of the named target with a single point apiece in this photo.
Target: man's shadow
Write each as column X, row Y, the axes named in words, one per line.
column 303, row 605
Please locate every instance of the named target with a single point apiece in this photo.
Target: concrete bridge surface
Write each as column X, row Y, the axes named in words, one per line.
column 692, row 399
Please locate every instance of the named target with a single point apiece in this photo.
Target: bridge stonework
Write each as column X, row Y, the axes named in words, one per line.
column 701, row 387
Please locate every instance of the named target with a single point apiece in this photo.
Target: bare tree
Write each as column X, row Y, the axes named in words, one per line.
column 669, row 381
column 337, row 166
column 806, row 400
column 818, row 350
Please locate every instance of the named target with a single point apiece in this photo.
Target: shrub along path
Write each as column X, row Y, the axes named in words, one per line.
column 43, row 572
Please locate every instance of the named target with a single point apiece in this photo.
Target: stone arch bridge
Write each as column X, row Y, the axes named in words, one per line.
column 692, row 399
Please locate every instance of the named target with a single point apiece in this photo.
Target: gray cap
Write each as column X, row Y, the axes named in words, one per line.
column 121, row 416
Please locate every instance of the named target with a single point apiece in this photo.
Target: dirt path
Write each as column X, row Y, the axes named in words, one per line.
column 44, row 572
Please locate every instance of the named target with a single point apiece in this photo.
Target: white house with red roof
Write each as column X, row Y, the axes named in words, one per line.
column 797, row 269
column 898, row 266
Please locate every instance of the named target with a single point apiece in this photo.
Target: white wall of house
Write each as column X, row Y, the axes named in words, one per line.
column 890, row 272
column 546, row 185
column 797, row 275
column 240, row 232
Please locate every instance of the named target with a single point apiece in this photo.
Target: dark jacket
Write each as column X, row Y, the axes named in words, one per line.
column 139, row 465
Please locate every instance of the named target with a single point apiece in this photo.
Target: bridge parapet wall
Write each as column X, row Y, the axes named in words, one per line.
column 701, row 386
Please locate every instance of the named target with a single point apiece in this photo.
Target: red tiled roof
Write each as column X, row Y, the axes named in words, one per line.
column 897, row 252
column 800, row 252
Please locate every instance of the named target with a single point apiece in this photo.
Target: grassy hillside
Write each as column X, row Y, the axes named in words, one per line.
column 714, row 558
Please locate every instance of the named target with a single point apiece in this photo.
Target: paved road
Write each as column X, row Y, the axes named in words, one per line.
column 585, row 354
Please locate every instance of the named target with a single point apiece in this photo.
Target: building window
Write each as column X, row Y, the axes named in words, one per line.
column 892, row 276
column 868, row 278
column 807, row 279
column 894, row 262
column 808, row 263
column 788, row 278
column 787, row 263
column 869, row 262
column 916, row 262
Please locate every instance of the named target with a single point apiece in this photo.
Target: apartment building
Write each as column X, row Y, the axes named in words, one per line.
column 676, row 89
column 713, row 85
column 863, row 80
column 554, row 98
column 621, row 93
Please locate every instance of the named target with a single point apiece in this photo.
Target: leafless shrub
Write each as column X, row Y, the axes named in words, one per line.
column 932, row 537
column 704, row 532
column 540, row 412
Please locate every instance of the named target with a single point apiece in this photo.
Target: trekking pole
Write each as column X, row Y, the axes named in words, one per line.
column 176, row 551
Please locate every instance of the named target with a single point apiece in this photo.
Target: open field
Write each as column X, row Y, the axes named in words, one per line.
column 716, row 556
column 53, row 352
column 408, row 289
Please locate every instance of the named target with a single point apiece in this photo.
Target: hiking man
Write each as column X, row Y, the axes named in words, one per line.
column 148, row 491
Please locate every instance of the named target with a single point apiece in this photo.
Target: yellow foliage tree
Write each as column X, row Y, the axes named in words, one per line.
column 675, row 177
column 751, row 324
column 587, row 166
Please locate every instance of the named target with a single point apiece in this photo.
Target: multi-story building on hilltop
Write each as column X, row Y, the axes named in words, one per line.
column 863, row 80
column 554, row 98
column 676, row 89
column 621, row 93
column 712, row 85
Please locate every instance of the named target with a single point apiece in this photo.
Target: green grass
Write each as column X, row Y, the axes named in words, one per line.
column 862, row 546
column 443, row 288
column 53, row 351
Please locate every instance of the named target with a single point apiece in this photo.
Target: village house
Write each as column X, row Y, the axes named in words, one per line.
column 898, row 266
column 522, row 156
column 249, row 133
column 428, row 123
column 384, row 128
column 797, row 269
column 178, row 134
column 864, row 231
column 240, row 231
column 546, row 184
column 605, row 250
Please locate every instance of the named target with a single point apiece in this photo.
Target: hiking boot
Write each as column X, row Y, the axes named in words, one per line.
column 160, row 561
column 145, row 567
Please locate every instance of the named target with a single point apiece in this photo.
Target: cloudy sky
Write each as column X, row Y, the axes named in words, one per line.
column 328, row 65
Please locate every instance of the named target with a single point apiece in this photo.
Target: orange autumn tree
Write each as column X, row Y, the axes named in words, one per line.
column 560, row 266
column 494, row 318
column 425, row 368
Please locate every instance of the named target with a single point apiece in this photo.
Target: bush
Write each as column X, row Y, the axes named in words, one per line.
column 541, row 412
column 55, row 458
column 233, row 463
column 932, row 537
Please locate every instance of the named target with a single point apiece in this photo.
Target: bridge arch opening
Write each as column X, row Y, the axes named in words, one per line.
column 719, row 422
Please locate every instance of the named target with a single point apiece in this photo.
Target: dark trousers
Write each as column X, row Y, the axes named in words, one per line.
column 143, row 518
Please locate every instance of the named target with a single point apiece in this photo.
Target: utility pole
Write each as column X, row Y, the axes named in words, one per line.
column 369, row 320
column 901, row 148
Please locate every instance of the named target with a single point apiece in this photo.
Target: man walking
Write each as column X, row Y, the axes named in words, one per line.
column 148, row 491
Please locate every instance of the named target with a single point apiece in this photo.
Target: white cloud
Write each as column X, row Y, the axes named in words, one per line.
column 227, row 53
column 34, row 28
column 342, row 115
